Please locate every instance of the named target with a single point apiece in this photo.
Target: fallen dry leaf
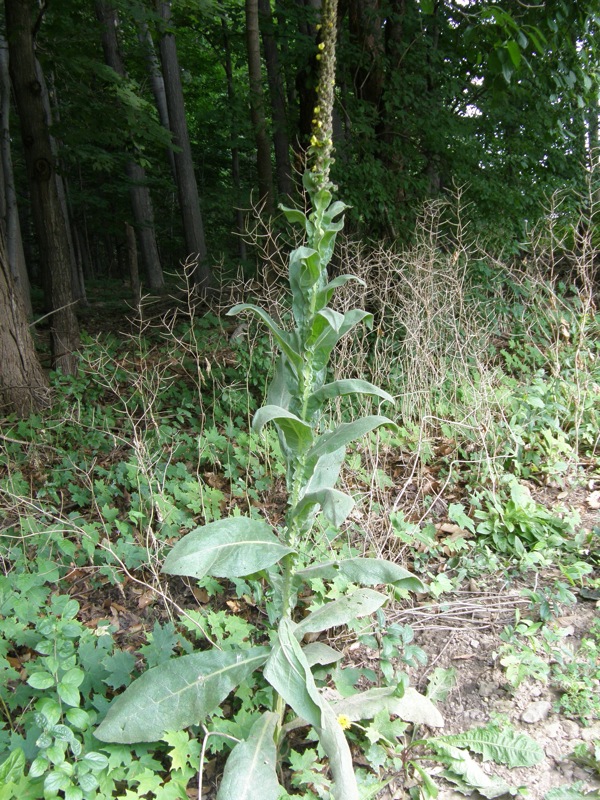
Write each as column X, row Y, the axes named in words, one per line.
column 593, row 500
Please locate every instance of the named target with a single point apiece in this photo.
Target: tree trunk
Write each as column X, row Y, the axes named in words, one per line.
column 281, row 142
column 139, row 194
column 23, row 385
column 48, row 217
column 10, row 210
column 257, row 109
column 235, row 152
column 158, row 87
column 187, row 188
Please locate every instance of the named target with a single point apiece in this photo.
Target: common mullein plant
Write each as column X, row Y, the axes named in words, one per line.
column 186, row 690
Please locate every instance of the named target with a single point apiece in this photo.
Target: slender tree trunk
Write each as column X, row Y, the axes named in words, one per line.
column 257, row 109
column 158, row 87
column 10, row 211
column 187, row 188
column 139, row 193
column 49, row 221
column 23, row 385
column 281, row 142
column 235, row 152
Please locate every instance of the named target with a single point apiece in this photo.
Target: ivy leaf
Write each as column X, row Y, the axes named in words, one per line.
column 250, row 772
column 228, row 548
column 177, row 694
column 162, row 643
column 340, row 612
column 120, row 667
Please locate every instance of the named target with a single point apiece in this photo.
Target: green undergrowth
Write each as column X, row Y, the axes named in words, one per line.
column 153, row 439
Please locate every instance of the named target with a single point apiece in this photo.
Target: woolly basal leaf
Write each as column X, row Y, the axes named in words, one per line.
column 177, row 694
column 228, row 548
column 411, row 707
column 250, row 772
column 288, row 672
column 368, row 571
column 333, row 740
column 336, row 505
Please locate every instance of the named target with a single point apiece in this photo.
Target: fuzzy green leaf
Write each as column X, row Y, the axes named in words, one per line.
column 336, row 505
column 298, row 434
column 345, row 433
column 341, row 388
column 411, row 707
column 334, row 743
column 325, row 295
column 502, row 745
column 283, row 339
column 228, row 548
column 324, row 471
column 250, row 771
column 340, row 612
column 320, row 653
column 178, row 693
column 368, row 571
column 288, row 672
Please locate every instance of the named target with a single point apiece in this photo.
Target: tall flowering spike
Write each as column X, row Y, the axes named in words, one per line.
column 321, row 142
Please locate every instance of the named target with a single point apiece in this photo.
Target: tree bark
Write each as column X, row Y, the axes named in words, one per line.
column 23, row 385
column 257, row 109
column 158, row 87
column 187, row 187
column 139, row 193
column 235, row 152
column 281, row 142
column 10, row 210
column 50, row 225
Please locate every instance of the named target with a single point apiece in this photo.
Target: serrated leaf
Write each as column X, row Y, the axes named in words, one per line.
column 340, row 612
column 288, row 672
column 368, row 571
column 502, row 745
column 441, row 681
column 320, row 653
column 178, row 693
column 461, row 764
column 228, row 548
column 250, row 772
column 573, row 792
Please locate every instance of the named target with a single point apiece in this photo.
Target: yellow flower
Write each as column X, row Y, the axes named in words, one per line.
column 321, row 45
column 344, row 722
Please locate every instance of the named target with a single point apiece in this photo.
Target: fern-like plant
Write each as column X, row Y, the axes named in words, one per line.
column 186, row 690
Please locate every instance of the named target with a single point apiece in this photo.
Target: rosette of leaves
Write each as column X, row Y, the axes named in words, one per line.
column 186, row 690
